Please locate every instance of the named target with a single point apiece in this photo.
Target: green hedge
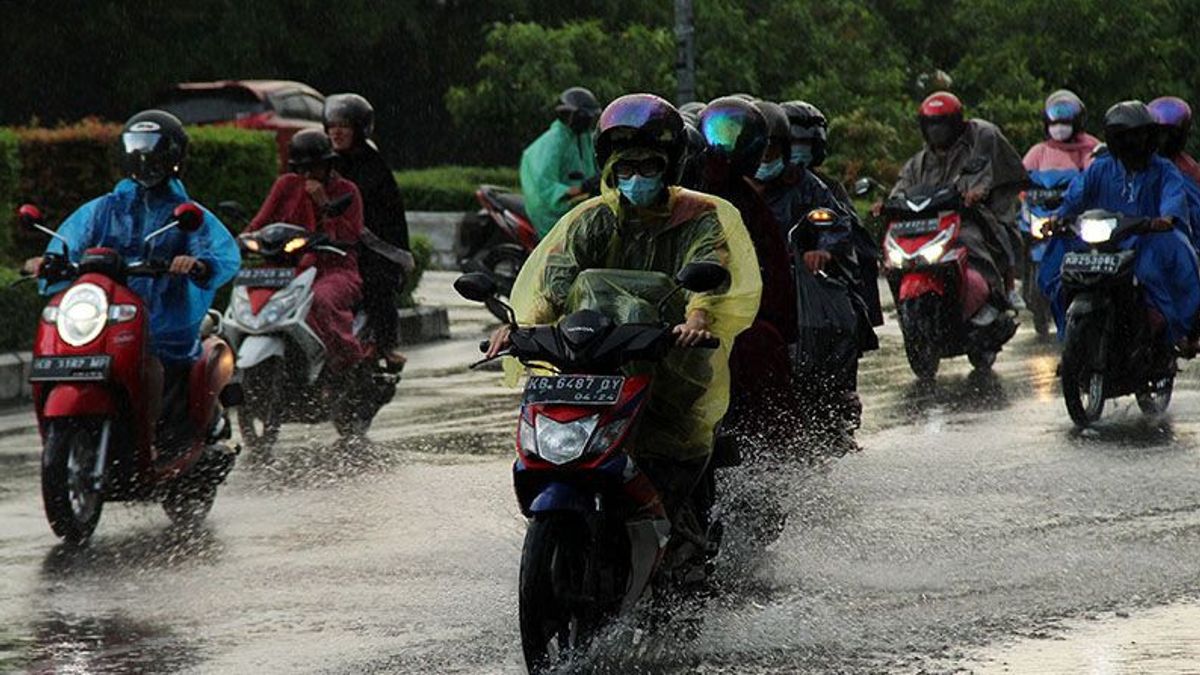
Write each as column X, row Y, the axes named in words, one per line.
column 62, row 168
column 21, row 306
column 10, row 169
column 450, row 188
column 422, row 250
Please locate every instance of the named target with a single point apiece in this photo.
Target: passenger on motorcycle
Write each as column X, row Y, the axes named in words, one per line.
column 349, row 121
column 810, row 147
column 1132, row 180
column 1068, row 149
column 976, row 157
column 559, row 167
column 1174, row 118
column 643, row 221
column 299, row 197
column 153, row 151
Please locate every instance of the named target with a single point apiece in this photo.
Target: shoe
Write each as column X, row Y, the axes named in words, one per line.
column 1015, row 299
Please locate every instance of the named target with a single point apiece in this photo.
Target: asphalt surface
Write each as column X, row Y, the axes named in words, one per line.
column 974, row 532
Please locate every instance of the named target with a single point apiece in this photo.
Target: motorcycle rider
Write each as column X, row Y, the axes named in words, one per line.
column 299, row 197
column 1174, row 118
column 1067, row 149
column 349, row 122
column 560, row 166
column 976, row 157
column 1132, row 180
column 810, row 147
column 153, row 151
column 643, row 221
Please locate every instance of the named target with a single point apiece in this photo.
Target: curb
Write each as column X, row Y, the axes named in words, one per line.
column 441, row 228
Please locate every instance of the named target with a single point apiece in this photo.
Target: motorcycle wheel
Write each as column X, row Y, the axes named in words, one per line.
column 69, row 494
column 981, row 360
column 1038, row 305
column 261, row 412
column 187, row 503
column 554, row 625
column 1083, row 390
column 1155, row 398
column 918, row 342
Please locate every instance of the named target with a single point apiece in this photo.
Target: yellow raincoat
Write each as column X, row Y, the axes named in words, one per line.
column 689, row 397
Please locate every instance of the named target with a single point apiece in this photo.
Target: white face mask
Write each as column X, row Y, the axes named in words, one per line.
column 1061, row 132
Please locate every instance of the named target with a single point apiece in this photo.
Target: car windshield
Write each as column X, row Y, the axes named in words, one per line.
column 206, row 107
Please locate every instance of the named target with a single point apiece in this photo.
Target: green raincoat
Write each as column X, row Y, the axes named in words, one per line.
column 545, row 169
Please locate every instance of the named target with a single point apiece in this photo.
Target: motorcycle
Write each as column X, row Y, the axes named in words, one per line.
column 496, row 240
column 280, row 359
column 937, row 293
column 1111, row 348
column 597, row 532
column 97, row 391
column 1037, row 205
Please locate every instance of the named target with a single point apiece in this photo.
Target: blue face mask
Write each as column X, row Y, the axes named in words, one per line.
column 640, row 190
column 802, row 154
column 769, row 171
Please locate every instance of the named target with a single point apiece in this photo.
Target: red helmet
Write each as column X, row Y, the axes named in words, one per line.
column 941, row 104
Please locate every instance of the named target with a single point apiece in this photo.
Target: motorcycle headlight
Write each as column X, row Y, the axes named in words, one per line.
column 82, row 314
column 562, row 442
column 896, row 255
column 1096, row 230
column 608, row 434
column 935, row 248
column 1036, row 223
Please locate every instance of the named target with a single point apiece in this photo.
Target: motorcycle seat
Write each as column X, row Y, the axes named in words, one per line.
column 511, row 201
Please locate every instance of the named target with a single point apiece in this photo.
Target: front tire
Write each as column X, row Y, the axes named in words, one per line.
column 187, row 504
column 1155, row 398
column 261, row 413
column 982, row 360
column 919, row 345
column 1083, row 389
column 71, row 496
column 553, row 624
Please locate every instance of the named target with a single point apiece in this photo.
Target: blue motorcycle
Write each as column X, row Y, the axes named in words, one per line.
column 1038, row 203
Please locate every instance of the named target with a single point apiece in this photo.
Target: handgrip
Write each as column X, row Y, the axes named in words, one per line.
column 483, row 346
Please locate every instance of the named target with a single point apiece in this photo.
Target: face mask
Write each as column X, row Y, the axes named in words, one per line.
column 802, row 154
column 640, row 190
column 1061, row 132
column 769, row 171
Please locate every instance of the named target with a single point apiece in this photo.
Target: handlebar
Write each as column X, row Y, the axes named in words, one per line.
column 707, row 343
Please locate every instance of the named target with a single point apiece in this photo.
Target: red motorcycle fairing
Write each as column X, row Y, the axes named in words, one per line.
column 912, row 244
column 209, row 375
column 75, row 399
column 916, row 284
column 517, row 227
column 259, row 297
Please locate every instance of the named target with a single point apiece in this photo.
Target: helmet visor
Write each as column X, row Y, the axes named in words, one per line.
column 1062, row 111
column 631, row 112
column 1170, row 112
column 140, row 141
column 722, row 128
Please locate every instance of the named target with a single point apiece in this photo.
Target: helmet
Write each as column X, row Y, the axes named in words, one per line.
column 577, row 108
column 353, row 110
column 1129, row 131
column 808, row 123
column 735, row 130
column 1174, row 118
column 641, row 120
column 309, row 147
column 691, row 112
column 941, row 119
column 153, row 146
column 777, row 123
column 1064, row 106
column 689, row 172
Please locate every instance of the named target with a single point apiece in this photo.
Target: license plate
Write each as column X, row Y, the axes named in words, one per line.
column 915, row 228
column 574, row 389
column 265, row 277
column 1092, row 263
column 70, row 368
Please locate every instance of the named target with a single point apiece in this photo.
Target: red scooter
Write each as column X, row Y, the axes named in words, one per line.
column 98, row 392
column 937, row 293
column 497, row 239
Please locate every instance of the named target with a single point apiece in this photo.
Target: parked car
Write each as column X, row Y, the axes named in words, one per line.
column 282, row 106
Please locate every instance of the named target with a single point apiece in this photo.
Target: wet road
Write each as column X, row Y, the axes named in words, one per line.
column 974, row 532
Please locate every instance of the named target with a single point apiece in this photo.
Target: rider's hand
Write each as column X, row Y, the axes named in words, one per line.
column 974, row 196
column 499, row 341
column 32, row 266
column 316, row 192
column 1162, row 224
column 183, row 265
column 816, row 261
column 877, row 208
column 693, row 330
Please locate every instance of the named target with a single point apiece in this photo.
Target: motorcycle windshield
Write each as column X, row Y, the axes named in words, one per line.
column 625, row 296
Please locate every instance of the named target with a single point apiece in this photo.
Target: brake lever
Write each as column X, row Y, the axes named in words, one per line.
column 486, row 359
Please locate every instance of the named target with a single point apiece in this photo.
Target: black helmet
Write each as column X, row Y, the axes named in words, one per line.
column 153, row 146
column 578, row 108
column 736, row 131
column 645, row 121
column 1174, row 118
column 1130, row 132
column 353, row 110
column 689, row 174
column 808, row 123
column 309, row 147
column 777, row 126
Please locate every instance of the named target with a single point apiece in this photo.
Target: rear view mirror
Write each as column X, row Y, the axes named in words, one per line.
column 29, row 215
column 234, row 210
column 863, row 187
column 188, row 217
column 702, row 277
column 476, row 287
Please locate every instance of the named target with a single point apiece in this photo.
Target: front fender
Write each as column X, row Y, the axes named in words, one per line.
column 557, row 496
column 916, row 284
column 69, row 399
column 258, row 348
column 1086, row 303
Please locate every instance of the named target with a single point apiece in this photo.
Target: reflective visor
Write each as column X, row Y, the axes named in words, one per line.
column 631, row 111
column 1062, row 111
column 722, row 128
column 1170, row 111
column 140, row 141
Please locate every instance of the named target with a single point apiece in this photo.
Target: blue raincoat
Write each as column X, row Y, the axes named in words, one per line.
column 177, row 305
column 1166, row 264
